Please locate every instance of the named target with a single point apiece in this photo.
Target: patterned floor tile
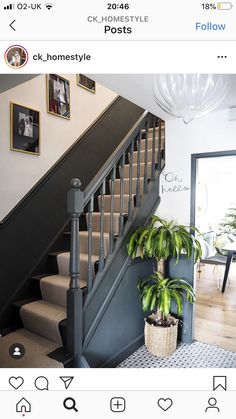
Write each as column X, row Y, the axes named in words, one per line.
column 196, row 355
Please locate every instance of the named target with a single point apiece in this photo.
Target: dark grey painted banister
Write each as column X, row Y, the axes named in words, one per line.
column 75, row 207
column 115, row 157
column 113, row 260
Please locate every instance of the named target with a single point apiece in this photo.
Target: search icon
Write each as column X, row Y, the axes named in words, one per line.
column 41, row 383
column 70, row 404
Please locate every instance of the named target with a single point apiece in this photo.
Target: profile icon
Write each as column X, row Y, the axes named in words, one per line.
column 17, row 351
column 16, row 56
column 212, row 402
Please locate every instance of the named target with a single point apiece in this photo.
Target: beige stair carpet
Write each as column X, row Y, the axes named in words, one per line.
column 107, row 217
column 63, row 262
column 117, row 202
column 135, row 167
column 95, row 242
column 142, row 156
column 36, row 351
column 43, row 318
column 126, row 186
column 150, row 142
column 54, row 289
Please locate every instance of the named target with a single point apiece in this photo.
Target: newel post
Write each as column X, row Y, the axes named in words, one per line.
column 75, row 202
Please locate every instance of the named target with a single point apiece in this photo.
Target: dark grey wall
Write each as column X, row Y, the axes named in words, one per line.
column 8, row 81
column 28, row 232
column 120, row 332
column 185, row 270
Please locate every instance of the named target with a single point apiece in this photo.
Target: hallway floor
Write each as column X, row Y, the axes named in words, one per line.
column 196, row 355
column 216, row 312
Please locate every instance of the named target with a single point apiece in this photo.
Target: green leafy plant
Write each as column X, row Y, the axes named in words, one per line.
column 229, row 223
column 157, row 294
column 162, row 239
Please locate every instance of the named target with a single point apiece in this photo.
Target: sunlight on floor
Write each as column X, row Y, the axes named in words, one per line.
column 216, row 312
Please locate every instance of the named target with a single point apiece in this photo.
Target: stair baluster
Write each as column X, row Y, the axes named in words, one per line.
column 163, row 147
column 138, row 193
column 90, row 243
column 121, row 222
column 159, row 144
column 75, row 206
column 101, row 239
column 145, row 183
column 111, row 229
column 153, row 149
column 131, row 155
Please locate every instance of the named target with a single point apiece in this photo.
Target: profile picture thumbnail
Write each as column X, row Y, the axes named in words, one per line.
column 16, row 56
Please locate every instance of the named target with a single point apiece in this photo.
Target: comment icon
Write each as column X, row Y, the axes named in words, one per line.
column 41, row 383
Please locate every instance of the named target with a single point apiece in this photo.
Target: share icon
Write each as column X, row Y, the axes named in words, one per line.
column 67, row 381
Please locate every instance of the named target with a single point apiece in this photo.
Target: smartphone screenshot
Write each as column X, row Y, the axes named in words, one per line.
column 117, row 209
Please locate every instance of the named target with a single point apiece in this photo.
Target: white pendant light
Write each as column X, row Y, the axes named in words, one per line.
column 189, row 96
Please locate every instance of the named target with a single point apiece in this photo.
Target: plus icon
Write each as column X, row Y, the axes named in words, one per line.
column 117, row 404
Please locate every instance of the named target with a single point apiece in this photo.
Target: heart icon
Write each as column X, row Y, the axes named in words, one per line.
column 16, row 382
column 165, row 404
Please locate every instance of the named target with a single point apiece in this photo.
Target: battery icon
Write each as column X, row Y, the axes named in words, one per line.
column 225, row 5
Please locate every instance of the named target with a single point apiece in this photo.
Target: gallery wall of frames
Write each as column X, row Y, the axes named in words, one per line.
column 40, row 120
column 25, row 121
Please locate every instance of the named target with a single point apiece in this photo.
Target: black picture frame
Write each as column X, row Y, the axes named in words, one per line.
column 25, row 129
column 58, row 96
column 86, row 83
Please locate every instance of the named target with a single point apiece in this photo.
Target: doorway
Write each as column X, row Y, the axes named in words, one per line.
column 213, row 200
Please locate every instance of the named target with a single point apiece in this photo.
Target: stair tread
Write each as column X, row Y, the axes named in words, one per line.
column 118, row 195
column 60, row 280
column 83, row 256
column 40, row 276
column 141, row 164
column 37, row 348
column 21, row 303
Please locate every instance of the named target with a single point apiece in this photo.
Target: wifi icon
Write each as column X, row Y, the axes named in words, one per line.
column 49, row 6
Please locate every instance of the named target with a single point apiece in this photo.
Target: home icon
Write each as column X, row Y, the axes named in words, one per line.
column 23, row 406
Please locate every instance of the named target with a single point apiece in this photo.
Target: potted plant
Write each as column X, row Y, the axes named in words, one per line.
column 157, row 294
column 161, row 240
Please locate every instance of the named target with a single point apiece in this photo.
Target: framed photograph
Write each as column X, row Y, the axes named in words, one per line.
column 86, row 83
column 25, row 129
column 58, row 96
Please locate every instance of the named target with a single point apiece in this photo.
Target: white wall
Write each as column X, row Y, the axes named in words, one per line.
column 19, row 171
column 207, row 134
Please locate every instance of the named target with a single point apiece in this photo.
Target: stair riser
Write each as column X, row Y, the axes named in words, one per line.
column 41, row 325
column 142, row 169
column 150, row 131
column 54, row 294
column 95, row 244
column 142, row 156
column 96, row 222
column 63, row 261
column 126, row 186
column 107, row 203
column 150, row 144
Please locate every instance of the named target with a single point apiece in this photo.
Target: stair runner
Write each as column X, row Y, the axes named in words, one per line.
column 41, row 334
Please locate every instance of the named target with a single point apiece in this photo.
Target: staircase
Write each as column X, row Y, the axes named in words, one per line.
column 56, row 334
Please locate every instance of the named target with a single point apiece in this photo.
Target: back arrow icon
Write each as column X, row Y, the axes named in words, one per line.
column 11, row 25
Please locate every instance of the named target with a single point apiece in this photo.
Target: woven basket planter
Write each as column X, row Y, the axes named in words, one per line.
column 161, row 341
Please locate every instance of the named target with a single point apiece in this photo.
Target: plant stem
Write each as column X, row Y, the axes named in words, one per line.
column 161, row 266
